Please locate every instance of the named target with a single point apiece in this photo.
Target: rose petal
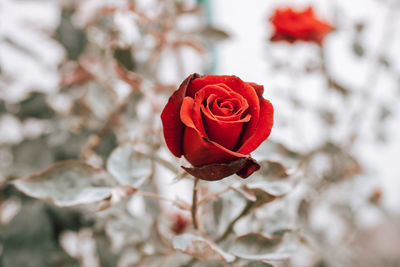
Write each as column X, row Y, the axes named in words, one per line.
column 238, row 86
column 225, row 133
column 200, row 151
column 259, row 88
column 262, row 130
column 216, row 171
column 250, row 166
column 207, row 90
column 197, row 148
column 172, row 125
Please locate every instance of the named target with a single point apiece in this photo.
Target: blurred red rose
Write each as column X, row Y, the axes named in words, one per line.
column 293, row 25
column 215, row 122
column 179, row 224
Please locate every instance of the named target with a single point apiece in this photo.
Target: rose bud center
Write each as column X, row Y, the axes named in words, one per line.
column 223, row 114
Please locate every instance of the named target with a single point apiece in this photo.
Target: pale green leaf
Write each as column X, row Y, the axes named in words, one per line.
column 68, row 183
column 128, row 166
column 258, row 247
column 201, row 248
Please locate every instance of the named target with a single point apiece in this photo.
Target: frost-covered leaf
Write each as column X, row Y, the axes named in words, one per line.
column 123, row 228
column 272, row 170
column 267, row 191
column 255, row 246
column 118, row 193
column 200, row 248
column 68, row 183
column 100, row 100
column 128, row 166
column 247, row 194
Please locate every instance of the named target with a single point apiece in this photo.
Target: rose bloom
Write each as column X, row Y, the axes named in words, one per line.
column 291, row 26
column 179, row 224
column 215, row 122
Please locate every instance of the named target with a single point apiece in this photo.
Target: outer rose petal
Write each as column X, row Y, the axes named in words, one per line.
column 263, row 128
column 244, row 167
column 259, row 89
column 172, row 125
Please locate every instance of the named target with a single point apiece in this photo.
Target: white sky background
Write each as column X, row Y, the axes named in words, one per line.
column 247, row 55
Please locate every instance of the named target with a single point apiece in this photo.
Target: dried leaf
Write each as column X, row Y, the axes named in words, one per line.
column 128, row 166
column 118, row 193
column 200, row 248
column 272, row 170
column 217, row 171
column 68, row 183
column 213, row 34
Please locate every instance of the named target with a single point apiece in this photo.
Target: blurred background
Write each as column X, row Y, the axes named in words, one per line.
column 79, row 80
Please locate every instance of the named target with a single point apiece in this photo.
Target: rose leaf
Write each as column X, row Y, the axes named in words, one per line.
column 266, row 192
column 128, row 166
column 68, row 183
column 259, row 247
column 200, row 248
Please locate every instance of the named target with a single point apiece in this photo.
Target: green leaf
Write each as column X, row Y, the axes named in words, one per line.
column 200, row 248
column 128, row 166
column 68, row 183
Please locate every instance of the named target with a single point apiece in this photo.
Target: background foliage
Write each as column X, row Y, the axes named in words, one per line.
column 85, row 176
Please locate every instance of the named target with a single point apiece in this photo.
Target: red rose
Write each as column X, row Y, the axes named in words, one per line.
column 180, row 223
column 293, row 25
column 215, row 122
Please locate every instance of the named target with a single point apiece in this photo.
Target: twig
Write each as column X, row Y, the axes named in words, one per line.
column 180, row 204
column 194, row 204
column 206, row 198
column 245, row 211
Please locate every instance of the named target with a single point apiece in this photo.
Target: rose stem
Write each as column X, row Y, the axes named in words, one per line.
column 194, row 204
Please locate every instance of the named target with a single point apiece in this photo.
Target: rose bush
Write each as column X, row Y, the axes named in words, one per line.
column 290, row 25
column 215, row 122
